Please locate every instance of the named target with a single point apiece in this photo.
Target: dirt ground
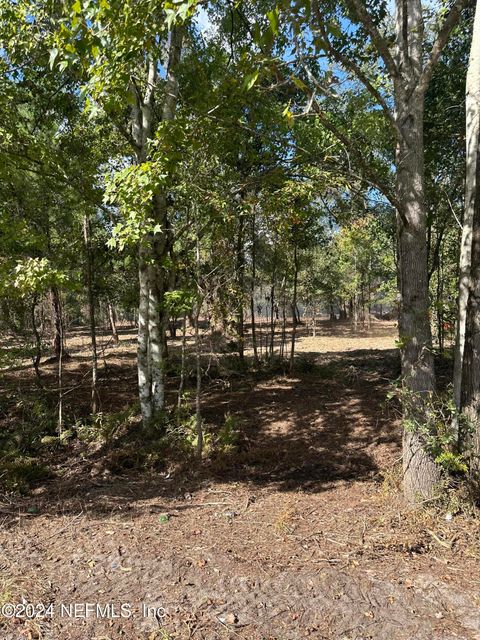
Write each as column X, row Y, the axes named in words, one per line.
column 298, row 532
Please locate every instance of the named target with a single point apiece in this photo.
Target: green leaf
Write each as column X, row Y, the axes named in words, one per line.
column 273, row 20
column 334, row 29
column 299, row 83
column 250, row 80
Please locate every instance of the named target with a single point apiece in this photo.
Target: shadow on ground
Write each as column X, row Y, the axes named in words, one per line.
column 326, row 425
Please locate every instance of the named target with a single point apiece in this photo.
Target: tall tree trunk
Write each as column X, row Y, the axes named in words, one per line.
column 60, row 370
column 471, row 370
column 362, row 304
column 355, row 312
column 181, row 385
column 283, row 339
column 91, row 311
column 472, row 110
column 56, row 322
column 252, row 288
column 157, row 319
column 294, row 308
column 272, row 304
column 470, row 396
column 420, row 473
column 240, row 269
column 38, row 344
column 439, row 305
column 144, row 383
column 153, row 281
column 272, row 319
column 410, row 71
column 198, row 399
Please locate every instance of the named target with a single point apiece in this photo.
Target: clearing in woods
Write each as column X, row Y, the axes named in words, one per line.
column 297, row 530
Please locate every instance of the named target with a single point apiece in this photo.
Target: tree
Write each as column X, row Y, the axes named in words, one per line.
column 469, row 317
column 407, row 73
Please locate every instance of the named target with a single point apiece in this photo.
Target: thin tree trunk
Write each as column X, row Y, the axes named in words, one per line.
column 252, row 290
column 91, row 312
column 60, row 369
column 283, row 340
column 369, row 304
column 38, row 345
column 294, row 308
column 439, row 305
column 198, row 405
column 355, row 312
column 144, row 382
column 156, row 334
column 113, row 321
column 181, row 386
column 56, row 322
column 272, row 304
column 362, row 304
column 240, row 270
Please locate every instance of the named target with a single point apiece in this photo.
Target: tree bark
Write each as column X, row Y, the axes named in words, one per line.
column 113, row 321
column 38, row 344
column 272, row 304
column 252, row 289
column 294, row 308
column 153, row 281
column 144, row 384
column 91, row 312
column 470, row 382
column 421, row 474
column 56, row 322
column 60, row 368
column 240, row 269
column 198, row 394
column 410, row 71
column 181, row 385
column 470, row 399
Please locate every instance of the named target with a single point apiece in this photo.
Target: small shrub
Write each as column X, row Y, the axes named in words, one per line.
column 104, row 427
column 181, row 432
column 18, row 474
column 227, row 436
column 437, row 431
column 452, row 462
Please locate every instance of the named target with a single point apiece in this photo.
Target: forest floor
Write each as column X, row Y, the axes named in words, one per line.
column 297, row 531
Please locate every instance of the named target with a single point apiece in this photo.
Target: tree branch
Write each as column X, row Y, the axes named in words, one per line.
column 352, row 66
column 344, row 139
column 378, row 40
column 372, row 176
column 439, row 44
